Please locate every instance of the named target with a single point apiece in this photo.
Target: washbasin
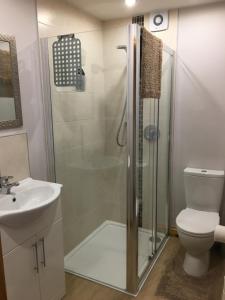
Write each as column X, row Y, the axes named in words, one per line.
column 27, row 201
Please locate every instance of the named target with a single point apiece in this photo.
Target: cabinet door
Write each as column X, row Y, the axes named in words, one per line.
column 21, row 272
column 52, row 278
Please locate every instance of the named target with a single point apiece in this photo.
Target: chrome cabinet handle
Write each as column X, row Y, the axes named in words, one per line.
column 35, row 247
column 42, row 240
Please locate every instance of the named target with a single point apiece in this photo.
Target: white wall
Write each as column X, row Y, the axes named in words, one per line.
column 199, row 96
column 18, row 18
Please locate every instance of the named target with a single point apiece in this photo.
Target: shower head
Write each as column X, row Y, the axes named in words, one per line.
column 122, row 47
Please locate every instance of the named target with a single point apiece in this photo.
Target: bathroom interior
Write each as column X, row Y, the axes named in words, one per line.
column 111, row 155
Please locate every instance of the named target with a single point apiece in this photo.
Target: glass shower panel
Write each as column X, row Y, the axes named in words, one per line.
column 146, row 178
column 163, row 147
column 90, row 163
column 147, row 183
column 153, row 168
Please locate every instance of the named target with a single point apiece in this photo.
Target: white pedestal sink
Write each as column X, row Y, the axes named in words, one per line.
column 27, row 201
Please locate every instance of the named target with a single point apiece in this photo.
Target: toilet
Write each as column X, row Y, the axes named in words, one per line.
column 196, row 223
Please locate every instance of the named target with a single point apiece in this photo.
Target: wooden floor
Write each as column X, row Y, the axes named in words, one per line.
column 82, row 289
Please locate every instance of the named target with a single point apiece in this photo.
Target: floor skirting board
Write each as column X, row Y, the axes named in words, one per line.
column 173, row 232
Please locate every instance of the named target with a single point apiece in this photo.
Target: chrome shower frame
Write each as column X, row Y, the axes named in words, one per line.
column 132, row 118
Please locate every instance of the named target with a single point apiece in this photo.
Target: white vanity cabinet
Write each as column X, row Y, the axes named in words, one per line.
column 51, row 262
column 22, row 280
column 34, row 268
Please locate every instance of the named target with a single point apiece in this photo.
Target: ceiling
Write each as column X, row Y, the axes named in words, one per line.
column 114, row 9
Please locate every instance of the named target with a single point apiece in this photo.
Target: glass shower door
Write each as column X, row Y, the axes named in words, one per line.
column 154, row 145
column 148, row 165
column 153, row 171
column 164, row 147
column 148, row 147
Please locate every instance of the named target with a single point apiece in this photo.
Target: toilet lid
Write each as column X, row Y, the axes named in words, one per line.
column 197, row 222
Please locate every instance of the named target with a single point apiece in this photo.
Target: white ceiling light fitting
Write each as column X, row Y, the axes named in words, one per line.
column 130, row 3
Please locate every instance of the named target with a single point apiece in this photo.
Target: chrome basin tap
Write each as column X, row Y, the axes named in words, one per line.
column 6, row 185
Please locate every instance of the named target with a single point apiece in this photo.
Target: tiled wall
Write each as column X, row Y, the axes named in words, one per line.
column 14, row 156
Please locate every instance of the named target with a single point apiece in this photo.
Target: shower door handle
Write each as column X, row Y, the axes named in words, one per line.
column 35, row 247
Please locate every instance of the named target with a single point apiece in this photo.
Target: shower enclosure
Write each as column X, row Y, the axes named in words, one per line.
column 110, row 150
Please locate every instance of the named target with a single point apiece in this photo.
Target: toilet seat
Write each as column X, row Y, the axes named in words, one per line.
column 197, row 223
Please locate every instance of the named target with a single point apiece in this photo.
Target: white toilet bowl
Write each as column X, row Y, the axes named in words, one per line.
column 196, row 232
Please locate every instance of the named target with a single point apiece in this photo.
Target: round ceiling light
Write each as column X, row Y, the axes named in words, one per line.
column 130, row 2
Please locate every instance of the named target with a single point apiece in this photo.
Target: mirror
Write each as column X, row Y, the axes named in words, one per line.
column 10, row 103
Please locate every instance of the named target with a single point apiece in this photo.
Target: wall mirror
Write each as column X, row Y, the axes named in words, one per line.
column 10, row 102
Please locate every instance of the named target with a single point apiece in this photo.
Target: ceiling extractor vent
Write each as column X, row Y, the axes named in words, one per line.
column 140, row 20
